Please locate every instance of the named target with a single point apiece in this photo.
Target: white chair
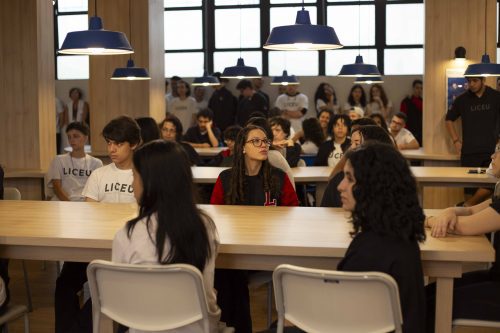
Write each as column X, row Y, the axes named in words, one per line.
column 330, row 301
column 476, row 323
column 148, row 297
column 14, row 312
column 12, row 193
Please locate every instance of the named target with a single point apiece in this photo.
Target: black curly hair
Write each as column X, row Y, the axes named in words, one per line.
column 385, row 192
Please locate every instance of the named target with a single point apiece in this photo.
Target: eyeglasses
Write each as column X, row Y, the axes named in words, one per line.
column 258, row 142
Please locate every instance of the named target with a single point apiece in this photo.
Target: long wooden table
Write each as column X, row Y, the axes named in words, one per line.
column 209, row 152
column 251, row 238
column 421, row 155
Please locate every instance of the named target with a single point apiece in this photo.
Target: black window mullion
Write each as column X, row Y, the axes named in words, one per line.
column 210, row 35
column 265, row 30
column 321, row 9
column 380, row 26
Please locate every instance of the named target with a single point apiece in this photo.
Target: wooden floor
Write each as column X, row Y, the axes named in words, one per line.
column 42, row 282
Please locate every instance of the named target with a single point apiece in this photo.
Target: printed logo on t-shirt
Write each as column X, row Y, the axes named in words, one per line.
column 480, row 107
column 118, row 187
column 268, row 201
column 77, row 172
column 181, row 107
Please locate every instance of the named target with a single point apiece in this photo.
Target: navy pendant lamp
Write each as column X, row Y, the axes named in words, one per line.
column 96, row 40
column 369, row 80
column 206, row 80
column 485, row 68
column 285, row 80
column 130, row 73
column 359, row 68
column 302, row 35
column 240, row 71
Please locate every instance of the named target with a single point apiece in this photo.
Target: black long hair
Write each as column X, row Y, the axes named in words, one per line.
column 313, row 131
column 168, row 193
column 385, row 192
column 362, row 100
column 320, row 93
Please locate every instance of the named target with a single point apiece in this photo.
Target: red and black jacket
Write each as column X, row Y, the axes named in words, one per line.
column 254, row 191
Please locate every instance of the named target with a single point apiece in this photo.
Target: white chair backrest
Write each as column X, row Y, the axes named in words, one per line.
column 301, row 163
column 147, row 297
column 319, row 301
column 11, row 193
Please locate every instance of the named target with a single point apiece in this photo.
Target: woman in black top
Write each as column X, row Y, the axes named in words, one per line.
column 331, row 151
column 477, row 294
column 171, row 130
column 388, row 223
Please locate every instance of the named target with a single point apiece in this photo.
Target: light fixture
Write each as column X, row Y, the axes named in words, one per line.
column 96, row 40
column 206, row 80
column 369, row 80
column 130, row 73
column 485, row 67
column 285, row 80
column 460, row 53
column 302, row 35
column 359, row 68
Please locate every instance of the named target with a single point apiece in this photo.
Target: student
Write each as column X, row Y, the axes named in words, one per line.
column 69, row 172
column 388, row 224
column 149, row 129
column 171, row 130
column 250, row 102
column 476, row 295
column 379, row 120
column 251, row 181
column 183, row 106
column 293, row 105
column 324, row 118
column 326, row 99
column 282, row 142
column 169, row 228
column 313, row 136
column 357, row 97
column 225, row 157
column 356, row 113
column 404, row 138
column 331, row 151
column 110, row 183
column 204, row 134
column 379, row 103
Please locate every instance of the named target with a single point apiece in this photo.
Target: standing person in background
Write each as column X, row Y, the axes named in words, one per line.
column 326, row 99
column 357, row 97
column 199, row 96
column 78, row 109
column 173, row 88
column 379, row 103
column 223, row 104
column 61, row 121
column 293, row 106
column 250, row 102
column 412, row 106
column 479, row 108
column 257, row 85
column 183, row 106
column 166, row 96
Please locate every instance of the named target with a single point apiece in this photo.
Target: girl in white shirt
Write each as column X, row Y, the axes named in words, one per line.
column 184, row 106
column 169, row 227
column 379, row 103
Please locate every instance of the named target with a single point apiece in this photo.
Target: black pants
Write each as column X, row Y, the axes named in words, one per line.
column 475, row 160
column 475, row 296
column 66, row 304
column 233, row 298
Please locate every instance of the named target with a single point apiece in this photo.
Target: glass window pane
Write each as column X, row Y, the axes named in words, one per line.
column 296, row 62
column 72, row 67
column 226, row 59
column 72, row 5
column 403, row 61
column 236, row 3
column 292, row 1
column 286, row 15
column 231, row 33
column 346, row 22
column 181, row 3
column 335, row 59
column 190, row 22
column 350, row 0
column 405, row 24
column 188, row 64
column 68, row 23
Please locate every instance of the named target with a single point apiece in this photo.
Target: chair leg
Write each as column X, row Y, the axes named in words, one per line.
column 27, row 284
column 26, row 323
column 269, row 303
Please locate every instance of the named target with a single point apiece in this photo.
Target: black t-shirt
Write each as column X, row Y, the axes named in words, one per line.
column 399, row 258
column 480, row 120
column 223, row 104
column 193, row 156
column 194, row 135
column 249, row 105
column 293, row 155
column 331, row 197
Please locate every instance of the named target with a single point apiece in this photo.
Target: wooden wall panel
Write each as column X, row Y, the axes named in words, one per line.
column 27, row 93
column 109, row 99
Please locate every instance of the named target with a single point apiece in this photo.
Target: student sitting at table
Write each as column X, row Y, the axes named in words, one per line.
column 313, row 136
column 169, row 228
column 388, row 223
column 476, row 295
column 149, row 129
column 331, row 151
column 225, row 157
column 282, row 142
column 110, row 183
column 69, row 172
column 204, row 134
column 250, row 181
column 362, row 134
column 171, row 130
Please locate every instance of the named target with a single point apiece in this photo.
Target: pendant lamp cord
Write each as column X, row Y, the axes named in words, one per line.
column 130, row 23
column 485, row 23
column 95, row 7
column 240, row 27
column 303, row 5
column 359, row 27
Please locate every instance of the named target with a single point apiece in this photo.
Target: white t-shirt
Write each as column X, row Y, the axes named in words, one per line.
column 374, row 107
column 309, row 148
column 293, row 103
column 59, row 111
column 336, row 155
column 73, row 174
column 140, row 249
column 184, row 110
column 110, row 184
column 404, row 137
column 320, row 103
